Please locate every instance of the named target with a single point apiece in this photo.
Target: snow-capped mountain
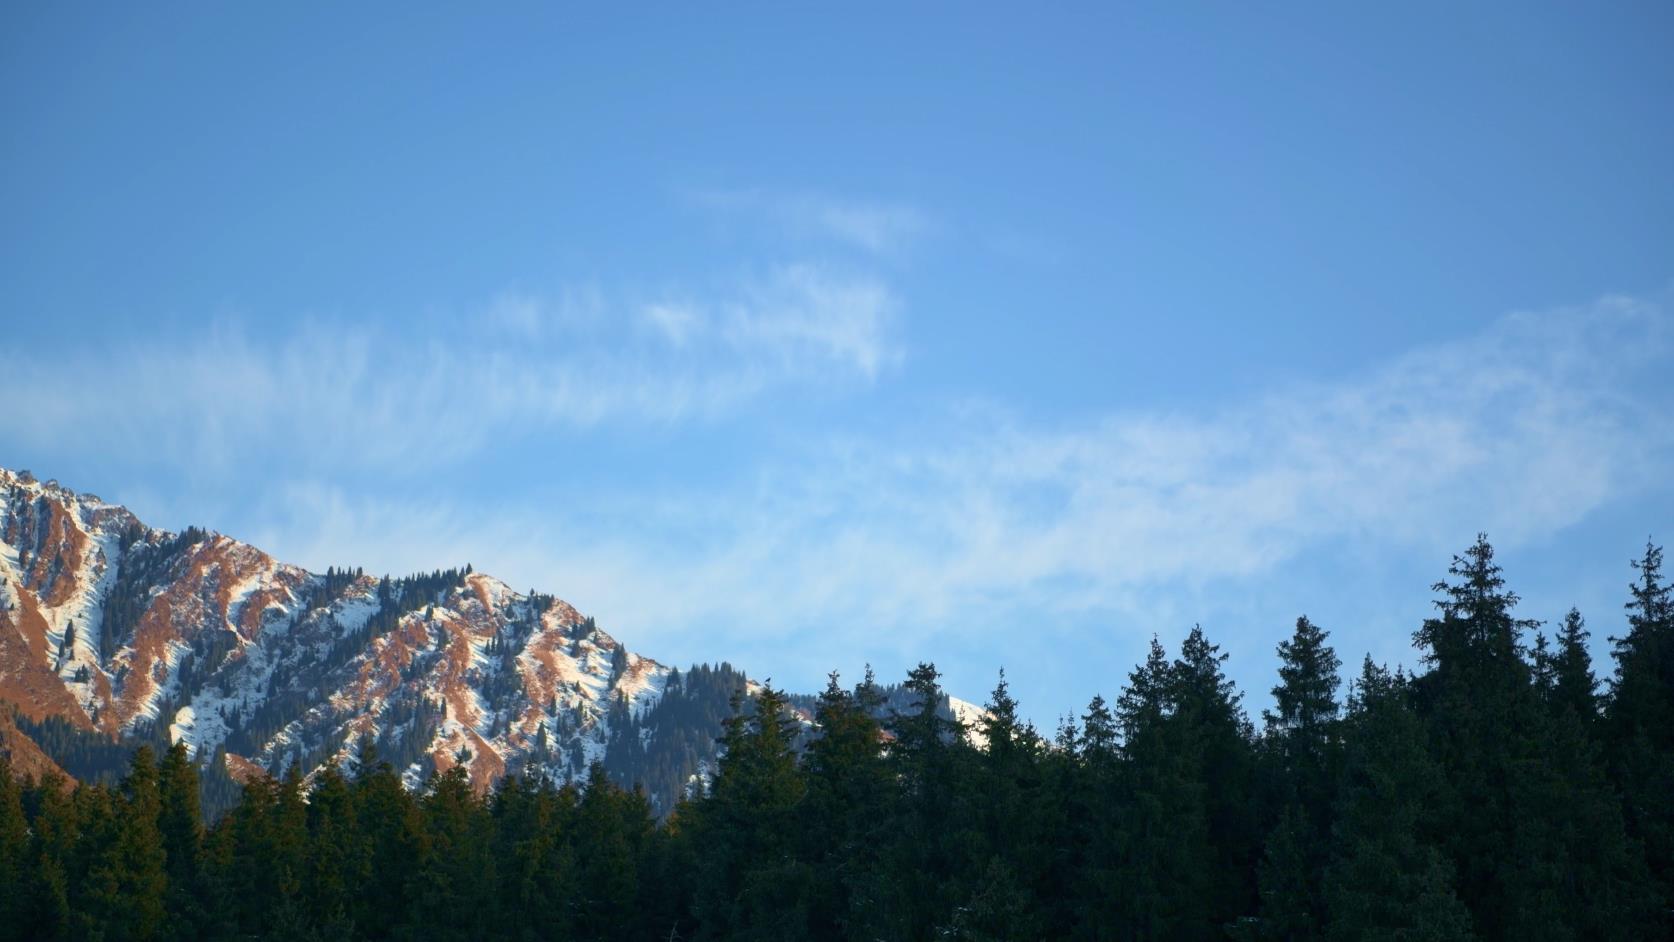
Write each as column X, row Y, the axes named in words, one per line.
column 110, row 630
column 113, row 632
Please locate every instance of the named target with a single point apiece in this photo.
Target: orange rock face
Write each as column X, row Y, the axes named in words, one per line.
column 117, row 628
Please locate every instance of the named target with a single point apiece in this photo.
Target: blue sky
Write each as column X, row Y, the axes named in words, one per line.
column 810, row 338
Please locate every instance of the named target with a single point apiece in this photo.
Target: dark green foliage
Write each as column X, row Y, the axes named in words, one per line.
column 683, row 722
column 1640, row 719
column 1386, row 879
column 750, row 884
column 1496, row 795
column 1302, row 754
column 15, row 863
column 180, row 823
column 143, row 565
column 84, row 754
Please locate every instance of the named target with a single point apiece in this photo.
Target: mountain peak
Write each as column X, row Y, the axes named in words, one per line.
column 123, row 631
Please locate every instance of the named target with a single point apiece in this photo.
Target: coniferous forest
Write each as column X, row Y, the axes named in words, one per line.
column 1506, row 789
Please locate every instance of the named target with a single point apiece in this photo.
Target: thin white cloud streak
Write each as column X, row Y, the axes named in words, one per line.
column 326, row 397
column 879, row 228
column 1523, row 431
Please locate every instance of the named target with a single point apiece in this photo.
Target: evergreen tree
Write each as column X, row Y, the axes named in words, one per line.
column 845, row 805
column 1216, row 738
column 453, row 894
column 1531, row 826
column 1166, row 878
column 997, row 909
column 1303, row 722
column 751, row 886
column 55, row 834
column 921, row 885
column 1009, row 782
column 1093, row 801
column 181, row 824
column 612, row 829
column 1302, row 739
column 123, row 892
column 1385, row 882
column 1484, row 797
column 1574, row 688
column 1481, row 708
column 1641, row 718
column 336, row 859
column 389, row 823
column 14, row 855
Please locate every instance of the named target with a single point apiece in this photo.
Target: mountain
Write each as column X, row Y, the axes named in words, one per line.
column 113, row 634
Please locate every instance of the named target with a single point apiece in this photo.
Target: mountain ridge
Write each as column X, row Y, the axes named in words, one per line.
column 115, row 634
column 126, row 631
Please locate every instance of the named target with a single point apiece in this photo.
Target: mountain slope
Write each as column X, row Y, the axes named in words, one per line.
column 113, row 634
column 130, row 633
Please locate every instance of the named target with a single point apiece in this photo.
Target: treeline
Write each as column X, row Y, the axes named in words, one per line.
column 1501, row 792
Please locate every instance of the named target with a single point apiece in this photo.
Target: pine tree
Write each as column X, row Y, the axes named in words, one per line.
column 1533, row 831
column 1302, row 736
column 1480, row 706
column 997, row 909
column 846, row 803
column 1166, row 877
column 1145, row 700
column 752, row 886
column 1384, row 881
column 612, row 830
column 1009, row 778
column 921, row 883
column 1574, row 687
column 1217, row 737
column 14, row 855
column 181, row 824
column 1641, row 718
column 123, row 891
column 453, row 892
column 336, row 859
column 54, row 836
column 1092, row 803
column 388, row 820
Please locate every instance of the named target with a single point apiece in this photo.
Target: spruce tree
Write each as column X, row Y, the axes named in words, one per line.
column 846, row 805
column 14, row 855
column 1480, row 706
column 1093, row 802
column 55, row 833
column 336, row 860
column 1302, row 742
column 453, row 892
column 752, row 886
column 922, row 878
column 1217, row 738
column 1574, row 688
column 126, row 881
column 1009, row 783
column 1385, row 881
column 611, row 831
column 1166, row 879
column 181, row 824
column 388, row 819
column 1641, row 718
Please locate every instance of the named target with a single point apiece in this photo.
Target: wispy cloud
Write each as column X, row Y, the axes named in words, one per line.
column 880, row 228
column 328, row 395
column 983, row 518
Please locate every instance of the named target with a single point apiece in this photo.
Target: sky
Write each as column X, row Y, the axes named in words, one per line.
column 811, row 338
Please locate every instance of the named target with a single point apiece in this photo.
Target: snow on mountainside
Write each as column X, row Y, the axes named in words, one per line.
column 113, row 633
column 121, row 629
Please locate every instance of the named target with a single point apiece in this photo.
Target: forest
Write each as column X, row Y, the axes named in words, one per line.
column 1501, row 790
